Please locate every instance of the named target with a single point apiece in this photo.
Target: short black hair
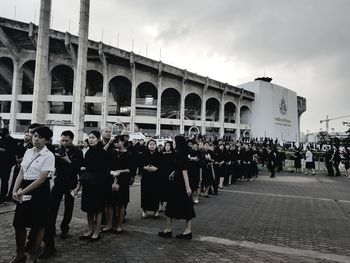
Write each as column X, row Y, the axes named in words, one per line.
column 96, row 133
column 119, row 138
column 68, row 133
column 44, row 131
column 34, row 126
column 4, row 131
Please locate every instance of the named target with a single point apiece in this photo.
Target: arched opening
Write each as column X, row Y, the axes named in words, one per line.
column 230, row 112
column 213, row 110
column 28, row 71
column 146, row 99
column 6, row 75
column 62, row 79
column 245, row 115
column 193, row 107
column 170, row 104
column 94, row 87
column 119, row 98
column 94, row 83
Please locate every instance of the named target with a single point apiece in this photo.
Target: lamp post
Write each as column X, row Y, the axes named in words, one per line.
column 115, row 124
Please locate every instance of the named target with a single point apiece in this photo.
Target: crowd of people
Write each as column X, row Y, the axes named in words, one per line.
column 173, row 178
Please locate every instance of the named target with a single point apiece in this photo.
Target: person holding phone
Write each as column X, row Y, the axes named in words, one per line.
column 31, row 191
column 68, row 162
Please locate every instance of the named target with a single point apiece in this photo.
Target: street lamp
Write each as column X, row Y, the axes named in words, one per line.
column 115, row 124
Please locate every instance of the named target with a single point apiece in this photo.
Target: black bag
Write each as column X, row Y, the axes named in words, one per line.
column 88, row 177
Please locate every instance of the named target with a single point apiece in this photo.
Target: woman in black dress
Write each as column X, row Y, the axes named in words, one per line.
column 150, row 164
column 207, row 169
column 180, row 205
column 297, row 160
column 93, row 181
column 119, row 183
column 32, row 191
column 194, row 167
column 166, row 168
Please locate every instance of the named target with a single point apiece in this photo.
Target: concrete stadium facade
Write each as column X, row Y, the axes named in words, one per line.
column 165, row 100
column 120, row 88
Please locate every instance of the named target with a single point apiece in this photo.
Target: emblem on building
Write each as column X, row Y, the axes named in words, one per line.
column 283, row 106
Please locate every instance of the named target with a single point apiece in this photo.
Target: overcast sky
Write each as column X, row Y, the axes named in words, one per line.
column 304, row 45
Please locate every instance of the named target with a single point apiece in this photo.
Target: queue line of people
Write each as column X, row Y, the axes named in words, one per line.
column 173, row 177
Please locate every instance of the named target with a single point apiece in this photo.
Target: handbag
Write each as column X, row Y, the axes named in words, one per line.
column 88, row 177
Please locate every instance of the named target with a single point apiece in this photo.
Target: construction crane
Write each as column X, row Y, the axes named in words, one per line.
column 327, row 120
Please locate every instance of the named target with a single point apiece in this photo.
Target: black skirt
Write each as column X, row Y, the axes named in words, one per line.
column 120, row 197
column 93, row 195
column 180, row 204
column 33, row 213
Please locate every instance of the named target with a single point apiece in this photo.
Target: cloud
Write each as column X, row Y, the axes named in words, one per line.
column 302, row 44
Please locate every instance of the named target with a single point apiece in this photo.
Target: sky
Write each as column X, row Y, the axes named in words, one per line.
column 303, row 45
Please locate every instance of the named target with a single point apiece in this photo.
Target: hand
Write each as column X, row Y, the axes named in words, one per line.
column 115, row 187
column 188, row 191
column 18, row 195
column 75, row 191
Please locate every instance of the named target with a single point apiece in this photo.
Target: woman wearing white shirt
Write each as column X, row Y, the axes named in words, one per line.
column 31, row 191
column 309, row 161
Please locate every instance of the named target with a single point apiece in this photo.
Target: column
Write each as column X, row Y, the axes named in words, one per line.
column 105, row 91
column 238, row 118
column 41, row 77
column 222, row 112
column 159, row 96
column 80, row 79
column 133, row 92
column 204, row 106
column 16, row 85
column 182, row 103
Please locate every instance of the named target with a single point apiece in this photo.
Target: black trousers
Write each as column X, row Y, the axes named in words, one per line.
column 272, row 170
column 330, row 170
column 4, row 176
column 336, row 167
column 217, row 171
column 57, row 192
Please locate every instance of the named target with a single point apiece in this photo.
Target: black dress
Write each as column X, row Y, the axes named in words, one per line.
column 180, row 205
column 150, row 181
column 93, row 193
column 120, row 161
column 166, row 168
column 194, row 170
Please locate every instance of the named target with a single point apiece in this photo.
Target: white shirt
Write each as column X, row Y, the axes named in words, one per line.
column 308, row 156
column 44, row 161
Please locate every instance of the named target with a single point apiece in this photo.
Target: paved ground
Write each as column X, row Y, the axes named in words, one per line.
column 293, row 218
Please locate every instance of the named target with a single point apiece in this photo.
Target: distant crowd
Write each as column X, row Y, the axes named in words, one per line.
column 174, row 177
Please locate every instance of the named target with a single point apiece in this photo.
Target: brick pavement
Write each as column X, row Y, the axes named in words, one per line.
column 287, row 219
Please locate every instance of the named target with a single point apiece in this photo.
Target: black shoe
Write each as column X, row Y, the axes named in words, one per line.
column 23, row 259
column 84, row 237
column 93, row 239
column 165, row 234
column 64, row 234
column 47, row 252
column 28, row 246
column 184, row 236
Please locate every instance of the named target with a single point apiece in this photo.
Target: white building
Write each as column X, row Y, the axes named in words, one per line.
column 276, row 110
